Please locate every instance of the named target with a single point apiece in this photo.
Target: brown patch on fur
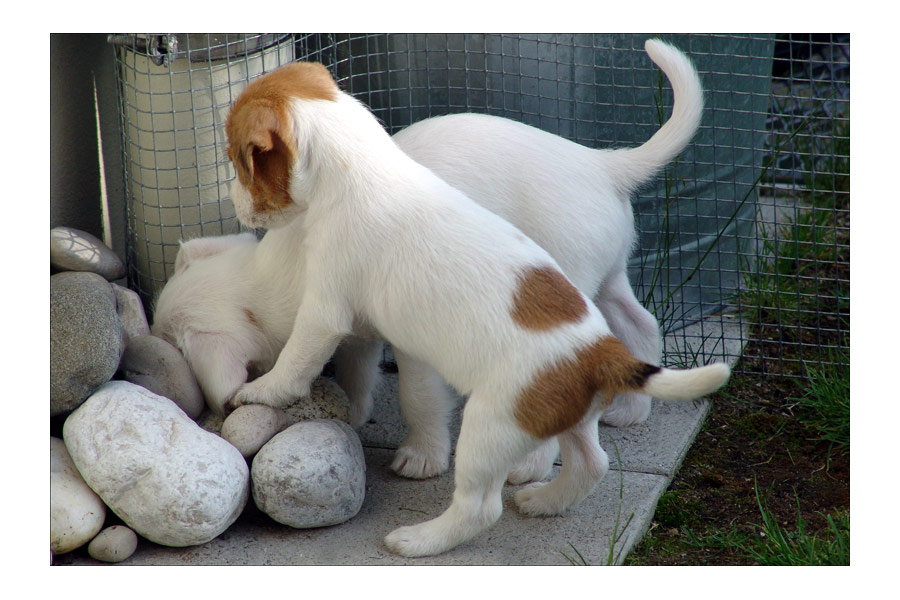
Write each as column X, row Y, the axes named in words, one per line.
column 261, row 144
column 560, row 395
column 546, row 299
column 251, row 316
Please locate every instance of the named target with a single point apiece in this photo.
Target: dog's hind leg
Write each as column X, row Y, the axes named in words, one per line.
column 536, row 465
column 584, row 463
column 489, row 444
column 356, row 365
column 638, row 329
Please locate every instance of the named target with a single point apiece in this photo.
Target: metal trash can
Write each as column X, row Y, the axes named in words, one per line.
column 176, row 91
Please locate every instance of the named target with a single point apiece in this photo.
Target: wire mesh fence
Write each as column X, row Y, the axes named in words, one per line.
column 745, row 237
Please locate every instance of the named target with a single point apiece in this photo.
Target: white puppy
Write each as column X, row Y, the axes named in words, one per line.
column 382, row 241
column 571, row 200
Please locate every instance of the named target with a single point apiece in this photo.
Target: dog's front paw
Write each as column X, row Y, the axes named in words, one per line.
column 417, row 462
column 415, row 540
column 260, row 391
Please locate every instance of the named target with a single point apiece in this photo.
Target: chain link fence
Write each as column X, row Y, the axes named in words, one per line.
column 745, row 237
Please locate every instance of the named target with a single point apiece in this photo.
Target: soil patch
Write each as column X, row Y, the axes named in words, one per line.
column 751, row 441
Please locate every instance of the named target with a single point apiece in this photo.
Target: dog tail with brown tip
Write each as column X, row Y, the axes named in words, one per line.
column 616, row 370
column 689, row 384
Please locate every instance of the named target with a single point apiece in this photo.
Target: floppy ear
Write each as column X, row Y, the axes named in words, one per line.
column 199, row 248
column 259, row 146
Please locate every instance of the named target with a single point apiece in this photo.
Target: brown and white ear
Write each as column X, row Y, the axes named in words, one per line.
column 200, row 248
column 260, row 145
column 260, row 127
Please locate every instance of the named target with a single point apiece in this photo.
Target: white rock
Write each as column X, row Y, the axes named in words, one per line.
column 249, row 427
column 76, row 512
column 168, row 479
column 113, row 544
column 312, row 474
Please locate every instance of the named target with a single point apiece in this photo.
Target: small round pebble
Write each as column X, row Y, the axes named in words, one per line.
column 249, row 427
column 113, row 544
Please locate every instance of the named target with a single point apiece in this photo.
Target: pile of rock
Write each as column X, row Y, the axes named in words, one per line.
column 138, row 440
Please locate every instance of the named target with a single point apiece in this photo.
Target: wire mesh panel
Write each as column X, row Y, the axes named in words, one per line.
column 771, row 156
column 796, row 293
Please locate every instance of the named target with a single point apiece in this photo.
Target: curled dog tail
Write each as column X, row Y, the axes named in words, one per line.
column 634, row 167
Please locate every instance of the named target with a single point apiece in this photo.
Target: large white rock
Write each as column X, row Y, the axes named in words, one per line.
column 76, row 512
column 312, row 474
column 168, row 479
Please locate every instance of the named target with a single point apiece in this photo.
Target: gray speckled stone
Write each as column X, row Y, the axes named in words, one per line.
column 157, row 365
column 86, row 338
column 131, row 313
column 312, row 474
column 164, row 476
column 326, row 400
column 76, row 250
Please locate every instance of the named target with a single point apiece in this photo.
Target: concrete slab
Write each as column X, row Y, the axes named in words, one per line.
column 392, row 501
column 608, row 523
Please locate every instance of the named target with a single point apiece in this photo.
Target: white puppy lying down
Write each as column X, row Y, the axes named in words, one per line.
column 573, row 201
column 382, row 241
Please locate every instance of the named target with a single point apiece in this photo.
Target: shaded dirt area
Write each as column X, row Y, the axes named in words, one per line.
column 751, row 440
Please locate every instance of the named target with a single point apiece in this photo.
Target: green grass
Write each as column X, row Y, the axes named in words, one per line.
column 773, row 544
column 791, row 277
column 825, row 407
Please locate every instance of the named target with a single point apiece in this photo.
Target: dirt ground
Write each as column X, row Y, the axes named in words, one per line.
column 751, row 439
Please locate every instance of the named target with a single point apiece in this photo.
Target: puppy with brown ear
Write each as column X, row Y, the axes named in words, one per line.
column 384, row 243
